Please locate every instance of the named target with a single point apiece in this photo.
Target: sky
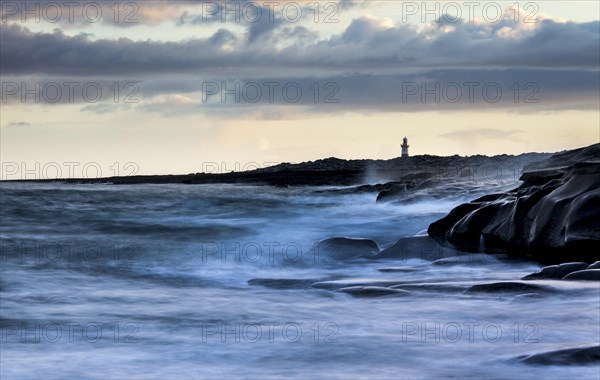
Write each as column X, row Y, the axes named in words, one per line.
column 102, row 88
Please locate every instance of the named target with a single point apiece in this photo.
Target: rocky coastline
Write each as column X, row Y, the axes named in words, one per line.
column 552, row 217
column 537, row 206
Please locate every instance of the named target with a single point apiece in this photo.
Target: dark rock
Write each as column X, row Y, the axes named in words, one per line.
column 418, row 176
column 554, row 216
column 587, row 275
column 567, row 356
column 563, row 160
column 374, row 291
column 508, row 287
column 441, row 229
column 342, row 248
column 556, row 271
column 595, row 265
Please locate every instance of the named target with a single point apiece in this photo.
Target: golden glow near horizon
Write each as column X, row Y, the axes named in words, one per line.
column 170, row 101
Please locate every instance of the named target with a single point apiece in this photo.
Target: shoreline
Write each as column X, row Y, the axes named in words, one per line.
column 336, row 172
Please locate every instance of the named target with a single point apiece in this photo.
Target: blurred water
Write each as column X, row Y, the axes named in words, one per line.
column 149, row 281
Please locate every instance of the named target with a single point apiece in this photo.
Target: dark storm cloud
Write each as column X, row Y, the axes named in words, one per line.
column 364, row 45
column 409, row 92
column 375, row 65
column 512, row 90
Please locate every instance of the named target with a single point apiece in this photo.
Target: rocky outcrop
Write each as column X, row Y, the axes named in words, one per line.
column 554, row 216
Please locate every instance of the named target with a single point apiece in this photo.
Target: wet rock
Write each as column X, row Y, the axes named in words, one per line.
column 553, row 216
column 507, row 287
column 343, row 248
column 595, row 265
column 374, row 291
column 586, row 275
column 556, row 271
column 568, row 356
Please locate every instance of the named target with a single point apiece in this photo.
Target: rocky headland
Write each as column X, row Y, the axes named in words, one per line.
column 391, row 178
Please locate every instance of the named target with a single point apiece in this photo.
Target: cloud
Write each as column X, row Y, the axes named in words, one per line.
column 513, row 90
column 374, row 64
column 368, row 44
column 258, row 20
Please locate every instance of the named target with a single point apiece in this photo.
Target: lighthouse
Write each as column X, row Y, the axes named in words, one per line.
column 404, row 147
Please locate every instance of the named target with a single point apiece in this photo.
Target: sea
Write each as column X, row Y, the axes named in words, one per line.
column 102, row 281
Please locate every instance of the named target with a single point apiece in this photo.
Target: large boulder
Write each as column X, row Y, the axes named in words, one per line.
column 554, row 216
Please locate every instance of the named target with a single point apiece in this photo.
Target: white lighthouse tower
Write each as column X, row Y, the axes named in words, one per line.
column 404, row 147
